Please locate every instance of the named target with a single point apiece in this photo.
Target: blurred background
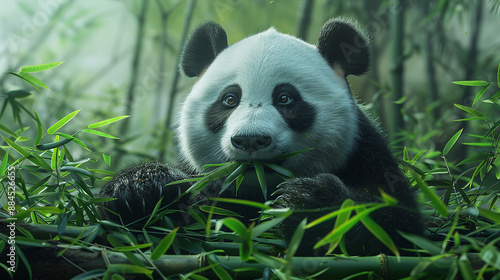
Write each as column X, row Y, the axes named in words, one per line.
column 120, row 58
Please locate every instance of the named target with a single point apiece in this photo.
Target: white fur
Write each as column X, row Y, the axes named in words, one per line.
column 257, row 64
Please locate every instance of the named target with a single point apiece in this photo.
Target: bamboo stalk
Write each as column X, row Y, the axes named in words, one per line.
column 173, row 87
column 397, row 69
column 305, row 19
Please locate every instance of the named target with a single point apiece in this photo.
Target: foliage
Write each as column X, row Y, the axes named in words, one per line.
column 56, row 189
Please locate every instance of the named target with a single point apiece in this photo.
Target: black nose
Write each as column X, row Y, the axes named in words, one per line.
column 251, row 143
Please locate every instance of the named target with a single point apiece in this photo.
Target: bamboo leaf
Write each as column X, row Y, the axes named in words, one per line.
column 380, row 234
column 470, row 111
column 107, row 159
column 62, row 122
column 7, row 130
column 163, row 245
column 54, row 144
column 495, row 217
column 218, row 211
column 261, row 176
column 452, row 142
column 233, row 176
column 431, row 196
column 40, row 67
column 493, row 128
column 39, row 132
column 498, row 76
column 106, row 122
column 244, row 202
column 475, row 158
column 480, row 93
column 24, row 79
column 471, row 83
column 18, row 94
column 280, row 170
column 218, row 269
column 32, row 79
column 422, row 242
column 99, row 133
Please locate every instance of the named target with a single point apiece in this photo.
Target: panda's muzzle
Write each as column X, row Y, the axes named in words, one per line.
column 251, row 143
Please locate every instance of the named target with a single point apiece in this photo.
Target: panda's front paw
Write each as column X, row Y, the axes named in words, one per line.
column 323, row 190
column 138, row 189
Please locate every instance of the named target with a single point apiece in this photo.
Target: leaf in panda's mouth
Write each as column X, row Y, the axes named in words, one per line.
column 234, row 171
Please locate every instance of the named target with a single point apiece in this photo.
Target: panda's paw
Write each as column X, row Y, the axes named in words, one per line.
column 323, row 190
column 138, row 189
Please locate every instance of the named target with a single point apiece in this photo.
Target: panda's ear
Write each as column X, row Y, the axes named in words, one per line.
column 200, row 50
column 343, row 44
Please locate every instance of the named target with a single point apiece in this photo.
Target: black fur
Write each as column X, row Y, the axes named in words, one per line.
column 218, row 113
column 344, row 44
column 299, row 115
column 207, row 41
column 138, row 189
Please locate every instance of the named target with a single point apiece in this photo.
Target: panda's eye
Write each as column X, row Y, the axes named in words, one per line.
column 285, row 99
column 230, row 100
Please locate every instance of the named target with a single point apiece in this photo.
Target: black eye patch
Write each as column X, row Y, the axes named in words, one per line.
column 219, row 111
column 298, row 114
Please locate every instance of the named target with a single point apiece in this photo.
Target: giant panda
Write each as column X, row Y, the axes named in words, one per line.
column 268, row 95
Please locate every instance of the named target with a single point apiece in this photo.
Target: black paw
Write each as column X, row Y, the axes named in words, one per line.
column 138, row 189
column 324, row 190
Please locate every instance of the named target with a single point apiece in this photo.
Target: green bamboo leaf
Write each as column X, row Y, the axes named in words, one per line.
column 24, row 79
column 244, row 202
column 470, row 111
column 294, row 243
column 341, row 219
column 493, row 128
column 54, row 144
column 18, row 94
column 471, row 83
column 130, row 269
column 132, row 247
column 261, row 176
column 3, row 166
column 475, row 158
column 466, row 270
column 495, row 217
column 345, row 227
column 280, row 170
column 334, row 214
column 8, row 130
column 237, row 226
column 164, row 245
column 32, row 79
column 380, row 234
column 99, row 133
column 39, row 132
column 107, row 159
column 218, row 211
column 62, row 122
column 498, row 76
column 218, row 269
column 233, row 176
column 452, row 142
column 40, row 67
column 267, row 225
column 422, row 242
column 106, row 122
column 431, row 196
column 480, row 93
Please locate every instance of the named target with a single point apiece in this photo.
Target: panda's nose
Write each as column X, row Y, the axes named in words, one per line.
column 251, row 143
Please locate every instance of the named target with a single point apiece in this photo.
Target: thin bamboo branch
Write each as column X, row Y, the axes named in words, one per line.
column 305, row 19
column 129, row 102
column 173, row 87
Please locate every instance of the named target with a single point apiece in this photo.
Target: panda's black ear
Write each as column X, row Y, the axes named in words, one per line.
column 345, row 45
column 200, row 50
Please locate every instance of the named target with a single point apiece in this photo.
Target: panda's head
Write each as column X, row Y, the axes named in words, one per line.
column 272, row 94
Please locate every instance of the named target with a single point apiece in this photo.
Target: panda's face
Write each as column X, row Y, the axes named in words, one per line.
column 269, row 94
